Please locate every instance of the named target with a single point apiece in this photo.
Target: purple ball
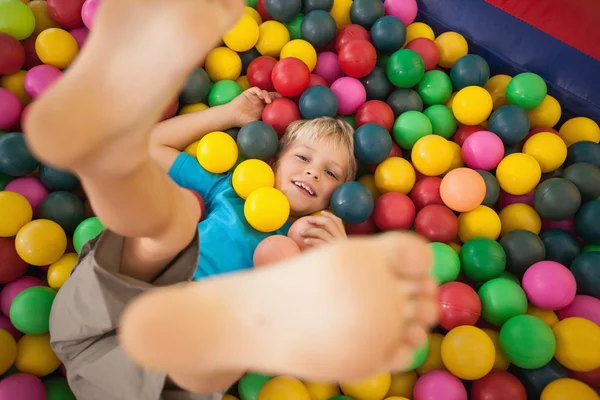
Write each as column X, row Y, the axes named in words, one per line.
column 566, row 225
column 10, row 109
column 351, row 94
column 549, row 285
column 88, row 12
column 582, row 306
column 506, row 199
column 22, row 387
column 483, row 150
column 31, row 188
column 80, row 35
column 328, row 67
column 11, row 290
column 405, row 10
column 9, row 327
column 39, row 78
column 437, row 385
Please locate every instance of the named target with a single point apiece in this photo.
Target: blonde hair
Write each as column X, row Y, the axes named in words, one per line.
column 335, row 130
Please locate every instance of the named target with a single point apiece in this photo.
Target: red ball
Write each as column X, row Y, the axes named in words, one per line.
column 200, row 203
column 437, row 223
column 364, row 228
column 395, row 152
column 428, row 51
column 259, row 72
column 498, row 385
column 66, row 12
column 394, row 211
column 375, row 112
column 357, row 58
column 464, row 131
column 290, row 77
column 261, row 7
column 427, row 191
column 12, row 266
column 591, row 378
column 349, row 33
column 280, row 114
column 459, row 305
column 316, row 80
column 31, row 57
column 12, row 54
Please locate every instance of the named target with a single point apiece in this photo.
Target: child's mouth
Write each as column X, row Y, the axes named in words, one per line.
column 305, row 188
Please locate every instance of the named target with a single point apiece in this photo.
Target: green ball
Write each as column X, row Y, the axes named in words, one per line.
column 446, row 264
column 482, row 259
column 251, row 3
column 250, row 385
column 592, row 247
column 30, row 310
column 435, row 88
column 442, row 120
column 509, row 276
column 527, row 341
column 86, row 231
column 223, row 92
column 501, row 299
column 405, row 68
column 526, row 90
column 410, row 127
column 341, row 398
column 4, row 180
column 351, row 119
column 419, row 357
column 294, row 25
column 382, row 60
column 58, row 389
column 16, row 19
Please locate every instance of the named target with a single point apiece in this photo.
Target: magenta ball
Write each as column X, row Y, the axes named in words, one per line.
column 483, row 150
column 88, row 12
column 566, row 225
column 9, row 327
column 80, row 35
column 328, row 67
column 11, row 290
column 582, row 306
column 39, row 78
column 350, row 93
column 506, row 199
column 31, row 188
column 63, row 370
column 549, row 285
column 10, row 109
column 405, row 10
column 22, row 387
column 439, row 385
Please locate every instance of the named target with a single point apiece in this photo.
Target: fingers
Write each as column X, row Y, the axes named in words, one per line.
column 330, row 222
column 318, row 233
column 409, row 254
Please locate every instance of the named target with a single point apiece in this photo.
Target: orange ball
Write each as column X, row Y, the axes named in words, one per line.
column 274, row 249
column 295, row 232
column 462, row 189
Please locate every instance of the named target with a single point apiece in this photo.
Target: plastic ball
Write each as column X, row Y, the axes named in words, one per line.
column 472, row 105
column 459, row 305
column 527, row 341
column 22, row 386
column 318, row 28
column 546, row 115
column 282, row 10
column 501, row 362
column 442, row 121
column 12, row 290
column 196, row 88
column 302, row 50
column 410, row 127
column 357, row 58
column 395, row 174
column 577, row 344
column 402, row 384
column 587, row 179
column 222, row 63
column 30, row 310
column 548, row 316
column 482, row 259
column 39, row 78
column 35, row 356
column 217, row 152
column 377, row 85
column 428, row 51
column 468, row 352
column 12, row 54
column 59, row 271
column 260, row 71
column 511, row 123
column 266, row 209
column 55, row 179
column 561, row 246
column 372, row 143
column 375, row 387
column 433, row 361
column 310, row 5
column 318, row 101
column 41, row 242
column 86, row 231
column 446, row 264
column 498, row 385
column 352, row 202
column 462, row 189
column 405, row 10
column 388, row 34
column 482, row 221
column 566, row 388
column 32, row 188
column 492, row 189
column 549, row 285
column 280, row 113
column 394, row 211
column 80, row 35
column 586, row 274
column 349, row 33
column 437, row 223
column 350, row 94
column 9, row 350
column 584, row 222
column 376, row 112
column 557, row 199
column 316, row 80
column 548, row 149
column 426, row 192
column 15, row 212
column 321, row 391
column 435, row 88
column 243, row 36
column 483, row 150
column 496, row 86
column 272, row 37
column 328, row 67
column 405, row 68
column 470, row 70
column 431, row 155
column 250, row 384
column 12, row 265
column 582, row 306
column 88, row 12
column 417, row 30
column 579, row 129
column 501, row 299
column 17, row 19
column 250, row 175
column 58, row 389
column 366, row 12
column 64, row 208
column 14, row 83
column 439, row 384
column 56, row 47
column 451, row 46
column 526, row 90
column 403, row 100
column 518, row 173
column 290, row 77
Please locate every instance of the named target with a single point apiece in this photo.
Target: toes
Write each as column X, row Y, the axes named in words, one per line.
column 415, row 336
column 423, row 311
column 402, row 358
column 408, row 253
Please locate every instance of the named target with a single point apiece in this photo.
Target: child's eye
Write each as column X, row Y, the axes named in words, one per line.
column 334, row 176
column 301, row 157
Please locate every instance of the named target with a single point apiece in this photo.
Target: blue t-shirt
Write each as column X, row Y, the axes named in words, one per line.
column 227, row 241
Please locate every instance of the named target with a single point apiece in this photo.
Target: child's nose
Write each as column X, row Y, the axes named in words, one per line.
column 313, row 174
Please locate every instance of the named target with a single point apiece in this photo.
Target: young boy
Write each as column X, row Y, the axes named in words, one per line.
column 129, row 323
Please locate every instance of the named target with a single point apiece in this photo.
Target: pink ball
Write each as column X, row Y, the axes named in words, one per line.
column 405, row 10
column 439, row 384
column 88, row 12
column 39, row 78
column 350, row 93
column 328, row 67
column 23, row 387
column 11, row 290
column 10, row 109
column 31, row 188
column 549, row 285
column 582, row 306
column 506, row 199
column 80, row 35
column 483, row 150
column 9, row 327
column 566, row 225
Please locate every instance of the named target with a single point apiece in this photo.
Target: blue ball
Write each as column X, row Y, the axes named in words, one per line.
column 510, row 123
column 257, row 140
column 388, row 34
column 561, row 246
column 587, row 222
column 311, row 5
column 55, row 179
column 318, row 101
column 372, row 143
column 318, row 28
column 352, row 202
column 587, row 274
column 64, row 208
column 584, row 152
column 283, row 10
column 366, row 12
column 470, row 70
column 15, row 157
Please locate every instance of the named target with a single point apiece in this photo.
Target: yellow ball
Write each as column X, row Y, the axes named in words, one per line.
column 432, row 155
column 321, row 391
column 15, row 83
column 568, row 389
column 229, row 397
column 243, row 82
column 35, row 356
column 455, row 246
column 482, row 221
column 579, row 129
column 518, row 173
column 222, row 63
column 548, row 149
column 267, row 209
column 43, row 21
column 451, row 46
column 59, row 271
column 369, row 181
column 272, row 37
column 243, row 36
column 396, row 398
column 341, row 12
column 301, row 50
column 577, row 344
column 56, row 47
column 451, row 100
column 15, row 212
column 8, row 351
column 548, row 316
column 500, row 362
column 496, row 86
column 472, row 105
column 217, row 152
column 402, row 384
column 395, row 174
column 373, row 388
column 468, row 352
column 41, row 242
column 192, row 148
column 457, row 160
column 250, row 175
column 434, row 357
column 519, row 216
column 418, row 30
column 283, row 388
column 192, row 108
column 254, row 14
column 546, row 115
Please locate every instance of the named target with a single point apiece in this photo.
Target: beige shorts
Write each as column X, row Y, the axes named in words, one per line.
column 84, row 320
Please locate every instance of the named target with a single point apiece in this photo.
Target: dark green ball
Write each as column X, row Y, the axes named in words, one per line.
column 523, row 248
column 15, row 158
column 283, row 10
column 557, row 199
column 584, row 151
column 366, row 12
column 560, row 246
column 257, row 140
column 248, row 56
column 4, row 180
column 55, row 179
column 64, row 208
column 377, row 84
column 250, row 384
column 535, row 380
column 388, row 34
column 196, row 88
column 58, row 389
column 586, row 270
column 403, row 100
column 587, row 179
column 587, row 222
column 318, row 28
column 492, row 188
column 311, row 5
column 470, row 70
column 482, row 259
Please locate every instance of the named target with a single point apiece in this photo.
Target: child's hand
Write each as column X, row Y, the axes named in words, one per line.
column 249, row 105
column 326, row 228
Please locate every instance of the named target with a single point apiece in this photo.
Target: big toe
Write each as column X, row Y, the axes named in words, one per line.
column 409, row 254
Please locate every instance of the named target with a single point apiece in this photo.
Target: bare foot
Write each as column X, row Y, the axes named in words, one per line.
column 341, row 312
column 134, row 64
